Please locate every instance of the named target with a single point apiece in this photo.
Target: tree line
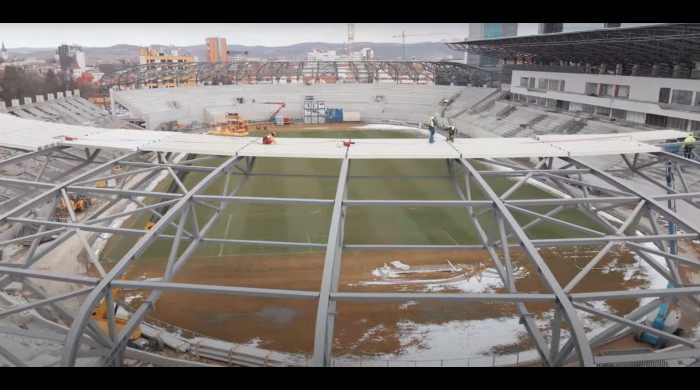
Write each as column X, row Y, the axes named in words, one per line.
column 17, row 83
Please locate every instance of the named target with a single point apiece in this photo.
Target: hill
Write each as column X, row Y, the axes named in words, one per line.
column 427, row 51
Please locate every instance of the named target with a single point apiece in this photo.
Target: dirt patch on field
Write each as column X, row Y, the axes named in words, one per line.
column 365, row 328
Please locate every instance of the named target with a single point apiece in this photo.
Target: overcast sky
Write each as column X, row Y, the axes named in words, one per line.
column 44, row 35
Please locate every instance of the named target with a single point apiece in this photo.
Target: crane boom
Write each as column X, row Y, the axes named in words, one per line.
column 403, row 40
column 282, row 105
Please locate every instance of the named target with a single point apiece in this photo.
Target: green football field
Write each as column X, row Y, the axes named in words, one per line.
column 363, row 225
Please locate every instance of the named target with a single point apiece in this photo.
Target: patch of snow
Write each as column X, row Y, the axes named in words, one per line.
column 132, row 297
column 405, row 305
column 370, row 334
column 400, row 265
column 254, row 342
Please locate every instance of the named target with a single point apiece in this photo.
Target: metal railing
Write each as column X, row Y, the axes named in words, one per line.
column 507, row 360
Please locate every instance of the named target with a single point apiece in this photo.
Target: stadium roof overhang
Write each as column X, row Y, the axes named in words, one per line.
column 665, row 45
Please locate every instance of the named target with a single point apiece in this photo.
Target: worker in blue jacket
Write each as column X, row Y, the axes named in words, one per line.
column 431, row 126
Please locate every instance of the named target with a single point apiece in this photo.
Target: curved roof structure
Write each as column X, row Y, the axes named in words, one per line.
column 564, row 340
column 252, row 72
column 13, row 134
column 664, row 45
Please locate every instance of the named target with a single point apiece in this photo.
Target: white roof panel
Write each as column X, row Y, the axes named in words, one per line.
column 201, row 144
column 505, row 148
column 651, row 135
column 121, row 139
column 401, row 148
column 29, row 134
column 34, row 135
column 611, row 146
column 297, row 147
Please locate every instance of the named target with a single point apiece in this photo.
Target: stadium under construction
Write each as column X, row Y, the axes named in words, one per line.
column 335, row 197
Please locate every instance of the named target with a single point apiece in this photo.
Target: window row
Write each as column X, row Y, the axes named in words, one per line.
column 560, row 104
column 617, row 114
column 678, row 97
column 548, row 84
column 612, row 90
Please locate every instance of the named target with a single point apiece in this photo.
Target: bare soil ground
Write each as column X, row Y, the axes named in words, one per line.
column 362, row 328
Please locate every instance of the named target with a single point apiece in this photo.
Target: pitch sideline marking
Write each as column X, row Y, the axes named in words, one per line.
column 450, row 237
column 225, row 234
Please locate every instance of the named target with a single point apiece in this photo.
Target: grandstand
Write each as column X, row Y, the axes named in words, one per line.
column 69, row 108
column 376, row 102
column 605, row 86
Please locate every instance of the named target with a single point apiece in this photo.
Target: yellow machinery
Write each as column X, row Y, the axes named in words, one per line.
column 99, row 315
column 77, row 202
column 235, row 126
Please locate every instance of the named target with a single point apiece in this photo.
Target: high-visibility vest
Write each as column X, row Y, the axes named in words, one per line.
column 689, row 138
column 432, row 121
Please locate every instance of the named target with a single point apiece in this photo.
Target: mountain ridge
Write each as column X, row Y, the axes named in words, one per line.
column 426, row 51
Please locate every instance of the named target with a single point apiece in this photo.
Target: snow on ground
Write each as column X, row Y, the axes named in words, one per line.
column 254, row 342
column 468, row 343
column 451, row 343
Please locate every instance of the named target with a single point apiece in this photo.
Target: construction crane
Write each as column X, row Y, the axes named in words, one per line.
column 282, row 105
column 351, row 40
column 403, row 40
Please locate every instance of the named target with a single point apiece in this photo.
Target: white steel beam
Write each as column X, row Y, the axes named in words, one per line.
column 325, row 316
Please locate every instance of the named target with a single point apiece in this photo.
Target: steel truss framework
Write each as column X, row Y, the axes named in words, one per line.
column 499, row 238
column 249, row 72
column 663, row 45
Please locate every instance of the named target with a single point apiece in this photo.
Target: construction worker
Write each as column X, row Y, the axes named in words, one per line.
column 688, row 146
column 431, row 126
column 269, row 139
column 451, row 131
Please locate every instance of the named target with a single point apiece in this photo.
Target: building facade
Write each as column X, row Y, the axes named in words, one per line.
column 170, row 55
column 550, row 28
column 156, row 56
column 663, row 102
column 485, row 31
column 71, row 58
column 237, row 56
column 216, row 50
